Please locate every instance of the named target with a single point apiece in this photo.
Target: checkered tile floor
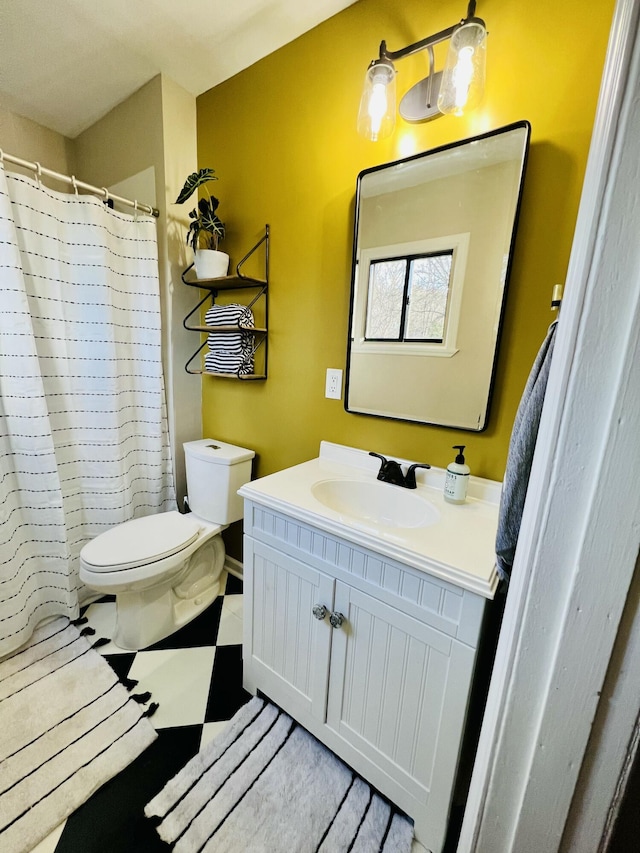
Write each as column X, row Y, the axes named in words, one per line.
column 196, row 677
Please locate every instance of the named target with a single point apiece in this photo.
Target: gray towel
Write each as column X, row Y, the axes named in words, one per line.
column 520, row 457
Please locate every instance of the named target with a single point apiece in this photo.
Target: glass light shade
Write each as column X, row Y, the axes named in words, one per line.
column 377, row 116
column 462, row 84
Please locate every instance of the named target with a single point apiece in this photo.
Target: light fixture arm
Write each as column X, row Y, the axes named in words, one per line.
column 417, row 46
column 429, row 41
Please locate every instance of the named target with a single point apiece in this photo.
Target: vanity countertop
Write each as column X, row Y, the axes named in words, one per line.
column 456, row 545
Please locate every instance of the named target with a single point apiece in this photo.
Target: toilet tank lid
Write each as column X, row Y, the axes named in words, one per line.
column 218, row 452
column 141, row 540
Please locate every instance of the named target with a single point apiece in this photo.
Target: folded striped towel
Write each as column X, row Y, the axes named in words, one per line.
column 230, row 352
column 231, row 341
column 220, row 361
column 230, row 315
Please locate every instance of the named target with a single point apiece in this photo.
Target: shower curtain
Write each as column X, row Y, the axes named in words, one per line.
column 83, row 428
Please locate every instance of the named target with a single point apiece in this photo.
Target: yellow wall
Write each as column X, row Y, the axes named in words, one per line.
column 281, row 136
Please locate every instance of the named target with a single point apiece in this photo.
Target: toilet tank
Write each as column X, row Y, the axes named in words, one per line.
column 215, row 472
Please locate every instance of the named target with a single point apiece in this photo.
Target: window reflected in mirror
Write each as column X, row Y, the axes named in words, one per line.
column 407, row 298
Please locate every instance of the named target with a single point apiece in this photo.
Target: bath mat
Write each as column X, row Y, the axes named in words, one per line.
column 67, row 726
column 267, row 785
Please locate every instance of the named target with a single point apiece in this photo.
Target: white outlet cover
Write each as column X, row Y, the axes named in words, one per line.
column 333, row 385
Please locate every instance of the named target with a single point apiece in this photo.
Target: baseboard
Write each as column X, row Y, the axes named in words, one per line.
column 233, row 566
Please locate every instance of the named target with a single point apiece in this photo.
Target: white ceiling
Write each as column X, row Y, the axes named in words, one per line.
column 66, row 63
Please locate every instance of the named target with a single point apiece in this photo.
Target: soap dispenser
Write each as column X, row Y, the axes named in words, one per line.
column 457, row 479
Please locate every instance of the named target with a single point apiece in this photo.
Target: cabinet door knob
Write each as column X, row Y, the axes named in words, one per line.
column 336, row 620
column 319, row 611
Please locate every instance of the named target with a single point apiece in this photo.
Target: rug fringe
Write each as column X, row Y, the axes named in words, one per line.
column 141, row 698
column 103, row 641
column 153, row 707
column 129, row 683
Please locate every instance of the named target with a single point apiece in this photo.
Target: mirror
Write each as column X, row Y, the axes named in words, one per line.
column 433, row 239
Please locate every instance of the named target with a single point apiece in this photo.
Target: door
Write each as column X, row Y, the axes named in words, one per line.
column 398, row 693
column 286, row 647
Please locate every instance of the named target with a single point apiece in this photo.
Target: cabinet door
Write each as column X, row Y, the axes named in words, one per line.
column 286, row 649
column 398, row 695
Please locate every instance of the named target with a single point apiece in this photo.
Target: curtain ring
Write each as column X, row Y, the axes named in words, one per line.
column 135, row 209
column 1, row 156
column 75, row 185
column 106, row 193
column 38, row 171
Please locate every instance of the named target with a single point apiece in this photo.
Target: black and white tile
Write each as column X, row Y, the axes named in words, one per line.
column 196, row 677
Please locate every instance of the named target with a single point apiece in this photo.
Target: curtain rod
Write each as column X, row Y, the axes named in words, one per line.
column 66, row 179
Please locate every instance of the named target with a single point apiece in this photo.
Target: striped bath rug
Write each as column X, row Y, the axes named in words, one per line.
column 67, row 726
column 265, row 785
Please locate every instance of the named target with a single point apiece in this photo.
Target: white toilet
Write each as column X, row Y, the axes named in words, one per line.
column 165, row 569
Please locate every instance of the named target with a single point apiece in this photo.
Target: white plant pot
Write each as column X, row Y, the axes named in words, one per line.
column 211, row 264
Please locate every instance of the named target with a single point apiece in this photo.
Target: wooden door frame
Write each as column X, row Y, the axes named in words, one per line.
column 580, row 532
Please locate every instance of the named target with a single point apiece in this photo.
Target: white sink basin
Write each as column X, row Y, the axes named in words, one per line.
column 375, row 503
column 338, row 493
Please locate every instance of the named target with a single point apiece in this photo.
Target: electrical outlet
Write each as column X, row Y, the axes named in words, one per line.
column 333, row 386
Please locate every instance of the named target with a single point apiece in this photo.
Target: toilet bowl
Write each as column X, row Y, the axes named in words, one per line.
column 165, row 569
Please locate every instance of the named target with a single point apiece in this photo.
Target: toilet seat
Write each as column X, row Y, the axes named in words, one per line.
column 165, row 569
column 140, row 541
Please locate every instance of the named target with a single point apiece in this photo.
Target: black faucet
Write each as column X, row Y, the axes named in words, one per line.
column 391, row 472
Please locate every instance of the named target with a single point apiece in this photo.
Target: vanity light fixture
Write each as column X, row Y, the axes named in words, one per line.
column 457, row 87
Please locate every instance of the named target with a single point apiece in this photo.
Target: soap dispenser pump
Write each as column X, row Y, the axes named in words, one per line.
column 457, row 479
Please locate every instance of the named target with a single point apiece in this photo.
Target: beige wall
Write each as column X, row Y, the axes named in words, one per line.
column 156, row 129
column 124, row 142
column 180, row 158
column 30, row 141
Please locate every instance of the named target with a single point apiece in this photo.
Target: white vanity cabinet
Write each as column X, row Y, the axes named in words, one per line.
column 387, row 686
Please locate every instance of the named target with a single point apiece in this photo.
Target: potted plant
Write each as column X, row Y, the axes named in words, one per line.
column 206, row 230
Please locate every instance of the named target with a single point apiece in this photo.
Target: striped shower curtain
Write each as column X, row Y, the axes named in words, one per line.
column 83, row 426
